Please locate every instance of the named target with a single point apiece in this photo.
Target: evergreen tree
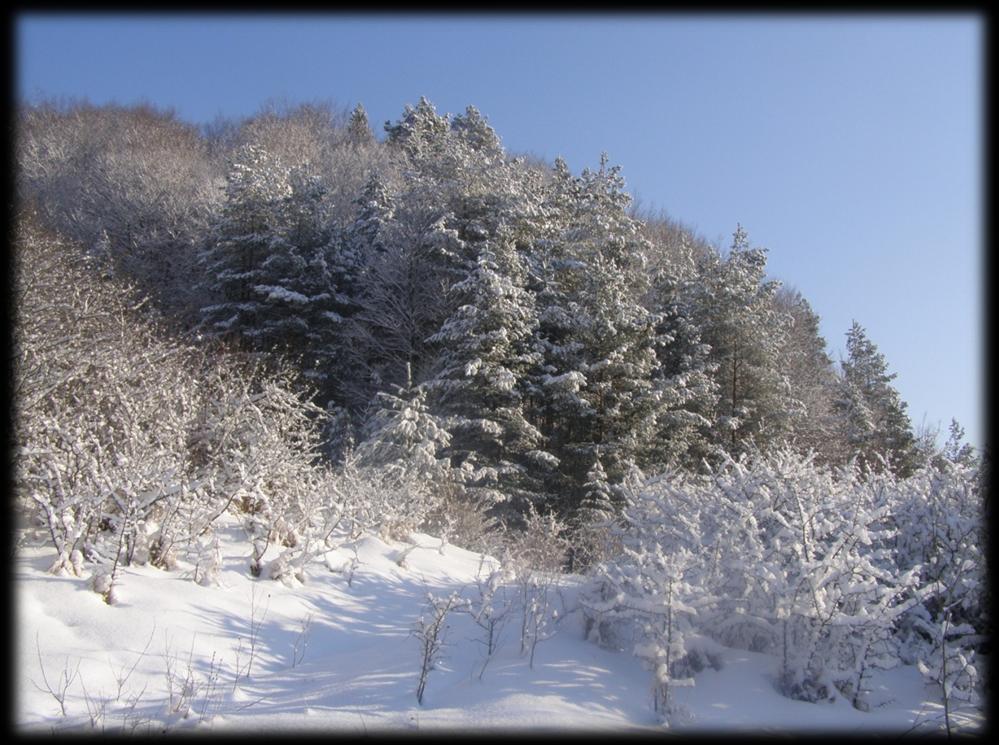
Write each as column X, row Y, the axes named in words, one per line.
column 594, row 392
column 871, row 412
column 430, row 254
column 420, row 133
column 684, row 381
column 474, row 131
column 404, row 439
column 297, row 308
column 240, row 241
column 485, row 355
column 557, row 404
column 375, row 210
column 359, row 132
column 955, row 449
column 812, row 378
column 594, row 518
column 598, row 503
column 365, row 279
column 740, row 322
column 271, row 265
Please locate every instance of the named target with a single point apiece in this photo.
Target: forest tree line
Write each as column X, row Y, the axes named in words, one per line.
column 549, row 329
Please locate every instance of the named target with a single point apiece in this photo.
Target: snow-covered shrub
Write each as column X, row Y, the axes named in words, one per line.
column 940, row 532
column 130, row 444
column 103, row 403
column 464, row 520
column 489, row 608
column 536, row 591
column 378, row 502
column 940, row 537
column 533, row 556
column 209, row 561
column 647, row 596
column 541, row 544
column 951, row 664
column 777, row 554
column 430, row 631
column 804, row 569
column 260, row 450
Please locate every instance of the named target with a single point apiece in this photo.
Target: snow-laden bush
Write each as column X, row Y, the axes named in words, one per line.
column 802, row 569
column 431, row 632
column 940, row 534
column 390, row 507
column 103, row 403
column 489, row 608
column 777, row 554
column 129, row 444
column 259, row 445
column 397, row 477
column 540, row 545
column 648, row 596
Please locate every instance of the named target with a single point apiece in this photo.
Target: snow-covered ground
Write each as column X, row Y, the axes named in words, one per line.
column 333, row 655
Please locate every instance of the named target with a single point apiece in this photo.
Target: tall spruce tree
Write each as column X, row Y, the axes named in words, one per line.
column 359, row 132
column 295, row 288
column 367, row 285
column 595, row 394
column 812, row 377
column 871, row 412
column 745, row 330
column 239, row 242
column 683, row 379
column 485, row 357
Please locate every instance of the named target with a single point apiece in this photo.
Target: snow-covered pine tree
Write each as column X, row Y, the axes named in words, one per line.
column 367, row 235
column 855, row 422
column 473, row 131
column 420, row 132
column 593, row 519
column 594, row 393
column 683, row 378
column 812, row 378
column 298, row 303
column 620, row 336
column 599, row 504
column 870, row 410
column 955, row 449
column 408, row 289
column 240, row 241
column 556, row 401
column 367, row 280
column 461, row 220
column 734, row 308
column 359, row 132
column 485, row 354
column 404, row 438
column 461, row 190
column 403, row 457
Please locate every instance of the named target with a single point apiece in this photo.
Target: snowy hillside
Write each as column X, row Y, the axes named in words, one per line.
column 338, row 653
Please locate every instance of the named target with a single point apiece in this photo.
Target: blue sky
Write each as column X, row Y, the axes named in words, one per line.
column 849, row 146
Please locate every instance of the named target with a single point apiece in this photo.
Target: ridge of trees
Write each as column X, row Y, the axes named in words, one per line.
column 548, row 322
